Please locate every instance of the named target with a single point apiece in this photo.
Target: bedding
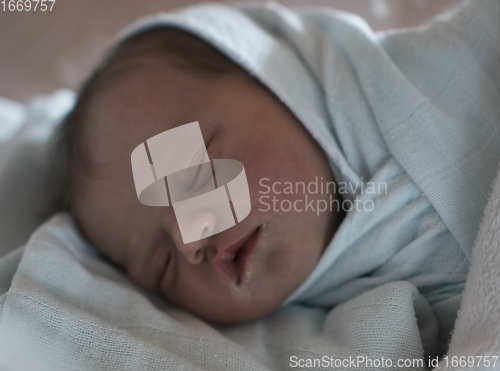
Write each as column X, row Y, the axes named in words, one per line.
column 68, row 309
column 387, row 108
column 25, row 132
column 64, row 307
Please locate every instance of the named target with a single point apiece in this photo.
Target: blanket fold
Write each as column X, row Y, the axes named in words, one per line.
column 69, row 309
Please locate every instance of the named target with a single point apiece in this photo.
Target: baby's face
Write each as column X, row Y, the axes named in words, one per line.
column 239, row 120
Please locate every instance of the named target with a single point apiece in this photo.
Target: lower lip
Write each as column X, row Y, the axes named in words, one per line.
column 244, row 254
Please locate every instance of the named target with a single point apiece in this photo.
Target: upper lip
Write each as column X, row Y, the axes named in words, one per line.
column 232, row 260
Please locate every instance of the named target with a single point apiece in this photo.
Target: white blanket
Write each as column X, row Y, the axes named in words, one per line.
column 413, row 109
column 477, row 330
column 424, row 96
column 66, row 308
column 25, row 130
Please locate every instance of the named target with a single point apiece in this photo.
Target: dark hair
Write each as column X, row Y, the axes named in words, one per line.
column 188, row 52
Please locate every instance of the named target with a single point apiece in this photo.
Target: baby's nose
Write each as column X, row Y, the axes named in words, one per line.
column 194, row 251
column 200, row 228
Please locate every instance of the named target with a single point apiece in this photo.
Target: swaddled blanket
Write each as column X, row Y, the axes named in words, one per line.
column 67, row 309
column 414, row 109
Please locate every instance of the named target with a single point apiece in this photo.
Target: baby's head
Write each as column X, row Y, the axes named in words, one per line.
column 161, row 79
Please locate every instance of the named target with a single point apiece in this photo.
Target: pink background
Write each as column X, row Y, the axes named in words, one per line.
column 43, row 51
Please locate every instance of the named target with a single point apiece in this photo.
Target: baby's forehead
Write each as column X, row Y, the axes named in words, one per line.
column 146, row 103
column 184, row 48
column 153, row 82
column 163, row 63
column 146, row 94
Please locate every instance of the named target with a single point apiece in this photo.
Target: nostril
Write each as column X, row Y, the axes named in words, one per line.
column 197, row 255
column 207, row 222
column 205, row 231
column 201, row 225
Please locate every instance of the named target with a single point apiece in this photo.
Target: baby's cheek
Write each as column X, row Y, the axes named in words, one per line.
column 146, row 268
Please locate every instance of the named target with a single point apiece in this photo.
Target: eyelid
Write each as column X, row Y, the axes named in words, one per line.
column 197, row 183
column 165, row 270
column 190, row 181
column 169, row 267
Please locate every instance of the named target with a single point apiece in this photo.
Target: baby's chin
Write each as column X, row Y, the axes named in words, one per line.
column 234, row 307
column 231, row 316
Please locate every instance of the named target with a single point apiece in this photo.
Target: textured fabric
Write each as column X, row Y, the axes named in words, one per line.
column 477, row 330
column 25, row 130
column 68, row 309
column 412, row 109
column 361, row 93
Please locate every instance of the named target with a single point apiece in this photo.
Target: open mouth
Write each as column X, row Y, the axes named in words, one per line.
column 232, row 261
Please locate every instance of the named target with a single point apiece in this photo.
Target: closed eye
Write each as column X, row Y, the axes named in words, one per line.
column 203, row 174
column 168, row 266
column 200, row 176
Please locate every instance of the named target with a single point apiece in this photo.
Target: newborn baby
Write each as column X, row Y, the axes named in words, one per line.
column 295, row 95
column 161, row 79
column 298, row 96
